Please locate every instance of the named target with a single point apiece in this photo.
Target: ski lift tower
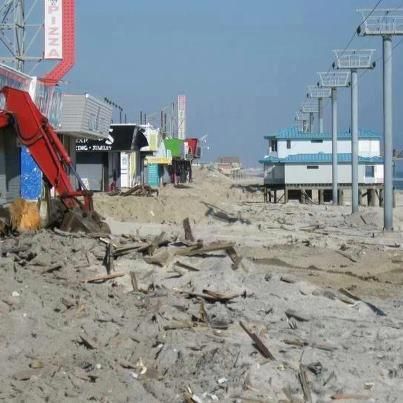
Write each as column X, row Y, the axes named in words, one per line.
column 334, row 80
column 354, row 60
column 302, row 121
column 319, row 93
column 310, row 106
column 386, row 23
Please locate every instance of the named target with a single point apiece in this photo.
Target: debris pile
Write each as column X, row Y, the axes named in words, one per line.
column 138, row 190
column 175, row 319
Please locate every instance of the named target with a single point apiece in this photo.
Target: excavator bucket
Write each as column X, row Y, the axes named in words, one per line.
column 76, row 220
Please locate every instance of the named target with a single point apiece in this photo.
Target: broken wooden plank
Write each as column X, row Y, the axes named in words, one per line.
column 159, row 259
column 349, row 396
column 290, row 313
column 374, row 308
column 52, row 268
column 128, row 249
column 186, row 266
column 347, row 256
column 109, row 259
column 233, row 255
column 188, row 230
column 258, row 342
column 197, row 250
column 178, row 324
column 103, row 278
column 86, row 342
column 209, row 296
column 303, row 379
column 134, row 281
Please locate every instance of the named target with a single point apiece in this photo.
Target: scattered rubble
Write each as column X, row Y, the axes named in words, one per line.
column 230, row 314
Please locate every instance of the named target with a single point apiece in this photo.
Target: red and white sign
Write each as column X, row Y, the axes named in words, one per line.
column 181, row 117
column 53, row 29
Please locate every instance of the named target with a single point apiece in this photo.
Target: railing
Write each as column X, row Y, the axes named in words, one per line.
column 46, row 97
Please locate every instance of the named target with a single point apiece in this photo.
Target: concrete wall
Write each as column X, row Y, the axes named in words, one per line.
column 366, row 148
column 297, row 174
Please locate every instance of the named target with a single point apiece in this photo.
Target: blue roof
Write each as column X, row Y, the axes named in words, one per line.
column 319, row 158
column 292, row 133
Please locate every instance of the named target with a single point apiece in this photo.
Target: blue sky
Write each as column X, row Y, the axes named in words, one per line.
column 244, row 65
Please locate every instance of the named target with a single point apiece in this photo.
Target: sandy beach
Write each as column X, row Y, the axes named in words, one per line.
column 267, row 303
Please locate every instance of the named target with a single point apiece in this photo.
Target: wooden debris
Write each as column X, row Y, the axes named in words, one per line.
column 160, row 259
column 109, row 259
column 200, row 250
column 258, row 342
column 304, row 383
column 103, row 278
column 134, row 281
column 352, row 396
column 186, row 266
column 236, row 259
column 87, row 343
column 304, row 343
column 374, row 308
column 210, row 296
column 347, row 256
column 139, row 247
column 138, row 190
column 188, row 230
column 290, row 313
column 178, row 324
column 52, row 268
column 288, row 279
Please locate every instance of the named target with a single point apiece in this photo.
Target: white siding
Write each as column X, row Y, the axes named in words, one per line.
column 295, row 174
column 366, row 148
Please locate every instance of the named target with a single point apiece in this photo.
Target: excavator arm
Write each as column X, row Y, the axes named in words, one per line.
column 34, row 131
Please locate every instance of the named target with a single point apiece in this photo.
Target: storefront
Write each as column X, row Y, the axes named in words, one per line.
column 108, row 163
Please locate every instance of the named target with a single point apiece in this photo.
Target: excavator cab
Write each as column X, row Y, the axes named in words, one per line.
column 35, row 132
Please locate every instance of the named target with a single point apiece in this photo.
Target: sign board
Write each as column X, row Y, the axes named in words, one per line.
column 53, row 30
column 121, row 138
column 181, row 117
column 159, row 160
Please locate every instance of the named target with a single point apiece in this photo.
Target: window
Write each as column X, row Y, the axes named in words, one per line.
column 369, row 171
column 316, row 141
column 274, row 145
column 312, row 167
column 288, row 144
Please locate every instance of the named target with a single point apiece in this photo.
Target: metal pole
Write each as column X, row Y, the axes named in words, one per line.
column 310, row 122
column 320, row 115
column 387, row 130
column 354, row 141
column 334, row 145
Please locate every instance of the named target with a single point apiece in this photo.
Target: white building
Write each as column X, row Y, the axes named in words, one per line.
column 297, row 158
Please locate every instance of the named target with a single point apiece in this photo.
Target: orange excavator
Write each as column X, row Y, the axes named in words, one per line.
column 35, row 132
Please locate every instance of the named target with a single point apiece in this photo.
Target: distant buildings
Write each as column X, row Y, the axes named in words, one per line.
column 229, row 166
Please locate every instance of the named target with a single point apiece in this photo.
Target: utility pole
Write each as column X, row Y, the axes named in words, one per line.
column 334, row 80
column 386, row 23
column 320, row 94
column 354, row 60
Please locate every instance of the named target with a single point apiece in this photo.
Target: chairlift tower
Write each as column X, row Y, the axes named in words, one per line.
column 386, row 23
column 302, row 121
column 310, row 106
column 334, row 80
column 354, row 60
column 319, row 93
